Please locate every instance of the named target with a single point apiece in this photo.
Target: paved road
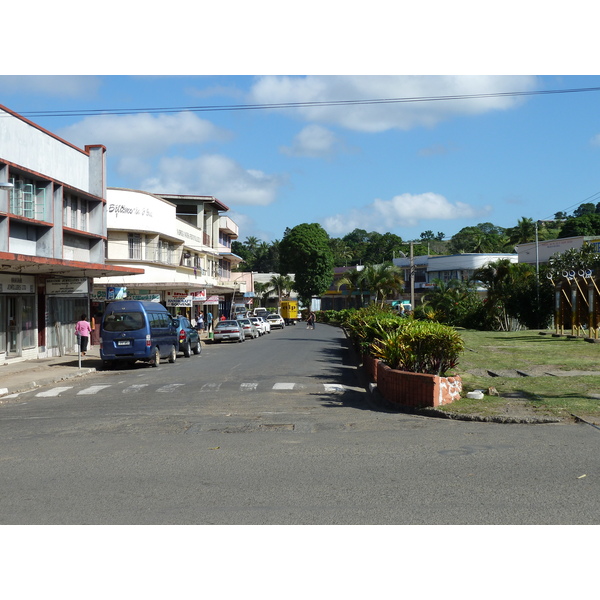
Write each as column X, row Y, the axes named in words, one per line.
column 277, row 430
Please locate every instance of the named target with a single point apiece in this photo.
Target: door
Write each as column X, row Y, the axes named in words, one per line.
column 13, row 346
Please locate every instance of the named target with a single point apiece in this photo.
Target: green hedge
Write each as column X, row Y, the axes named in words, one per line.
column 404, row 343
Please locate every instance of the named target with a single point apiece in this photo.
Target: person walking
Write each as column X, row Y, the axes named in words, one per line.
column 200, row 323
column 83, row 331
column 209, row 320
column 310, row 322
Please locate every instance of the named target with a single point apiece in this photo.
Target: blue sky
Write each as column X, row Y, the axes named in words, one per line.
column 398, row 167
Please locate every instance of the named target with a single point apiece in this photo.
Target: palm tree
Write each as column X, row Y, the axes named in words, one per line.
column 523, row 232
column 383, row 280
column 282, row 284
column 353, row 280
column 502, row 278
column 262, row 289
column 252, row 243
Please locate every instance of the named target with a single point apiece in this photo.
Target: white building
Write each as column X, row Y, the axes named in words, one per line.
column 446, row 267
column 540, row 252
column 52, row 237
column 183, row 243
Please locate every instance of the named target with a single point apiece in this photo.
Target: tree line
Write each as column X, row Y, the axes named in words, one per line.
column 360, row 247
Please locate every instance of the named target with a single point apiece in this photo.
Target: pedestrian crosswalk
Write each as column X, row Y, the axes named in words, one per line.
column 205, row 388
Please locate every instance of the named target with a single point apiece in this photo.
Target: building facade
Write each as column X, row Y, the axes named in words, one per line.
column 183, row 244
column 52, row 237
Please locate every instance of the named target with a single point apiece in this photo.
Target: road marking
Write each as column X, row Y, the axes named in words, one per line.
column 53, row 392
column 166, row 389
column 284, row 386
column 93, row 389
column 248, row 387
column 133, row 389
column 210, row 387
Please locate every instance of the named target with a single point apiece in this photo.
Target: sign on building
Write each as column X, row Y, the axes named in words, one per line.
column 72, row 285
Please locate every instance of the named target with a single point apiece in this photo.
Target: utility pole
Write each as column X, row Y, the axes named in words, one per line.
column 412, row 278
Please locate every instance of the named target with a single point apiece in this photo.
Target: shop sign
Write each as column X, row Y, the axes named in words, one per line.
column 17, row 284
column 199, row 296
column 100, row 296
column 70, row 285
column 180, row 301
column 116, row 293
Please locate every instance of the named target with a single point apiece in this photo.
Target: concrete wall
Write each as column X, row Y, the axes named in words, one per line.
column 23, row 143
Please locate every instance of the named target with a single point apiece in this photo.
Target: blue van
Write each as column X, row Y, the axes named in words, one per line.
column 134, row 330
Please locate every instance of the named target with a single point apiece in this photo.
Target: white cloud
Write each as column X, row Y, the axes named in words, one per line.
column 405, row 210
column 398, row 115
column 313, row 141
column 142, row 134
column 214, row 175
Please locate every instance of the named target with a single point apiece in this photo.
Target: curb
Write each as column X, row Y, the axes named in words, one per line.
column 378, row 399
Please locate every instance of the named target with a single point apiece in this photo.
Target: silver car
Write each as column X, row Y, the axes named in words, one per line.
column 249, row 329
column 228, row 330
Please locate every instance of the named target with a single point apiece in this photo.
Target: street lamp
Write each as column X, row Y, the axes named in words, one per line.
column 6, row 185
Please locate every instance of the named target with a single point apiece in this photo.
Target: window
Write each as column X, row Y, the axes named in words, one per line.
column 161, row 251
column 75, row 212
column 28, row 199
column 124, row 321
column 134, row 241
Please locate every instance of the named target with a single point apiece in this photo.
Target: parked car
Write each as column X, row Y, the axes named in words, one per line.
column 250, row 330
column 267, row 324
column 276, row 321
column 260, row 324
column 228, row 330
column 135, row 330
column 189, row 339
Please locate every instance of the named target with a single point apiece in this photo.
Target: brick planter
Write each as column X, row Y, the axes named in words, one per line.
column 416, row 389
column 370, row 366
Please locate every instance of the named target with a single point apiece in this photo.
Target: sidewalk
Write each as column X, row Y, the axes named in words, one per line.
column 22, row 375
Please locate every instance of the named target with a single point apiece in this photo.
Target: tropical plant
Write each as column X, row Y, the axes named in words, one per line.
column 263, row 290
column 420, row 347
column 353, row 280
column 523, row 232
column 382, row 281
column 281, row 285
column 516, row 297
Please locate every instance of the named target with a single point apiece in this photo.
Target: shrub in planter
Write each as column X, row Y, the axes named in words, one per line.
column 419, row 347
column 366, row 325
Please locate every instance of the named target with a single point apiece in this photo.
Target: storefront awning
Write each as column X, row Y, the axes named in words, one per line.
column 39, row 265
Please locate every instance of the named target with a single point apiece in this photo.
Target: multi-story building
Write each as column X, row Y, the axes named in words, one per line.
column 182, row 242
column 52, row 237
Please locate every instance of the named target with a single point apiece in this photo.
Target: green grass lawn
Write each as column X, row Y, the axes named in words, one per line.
column 530, row 352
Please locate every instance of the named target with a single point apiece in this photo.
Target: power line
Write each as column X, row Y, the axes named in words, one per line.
column 592, row 197
column 314, row 104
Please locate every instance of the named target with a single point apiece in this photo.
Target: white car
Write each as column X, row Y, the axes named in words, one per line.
column 262, row 325
column 276, row 321
column 266, row 324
